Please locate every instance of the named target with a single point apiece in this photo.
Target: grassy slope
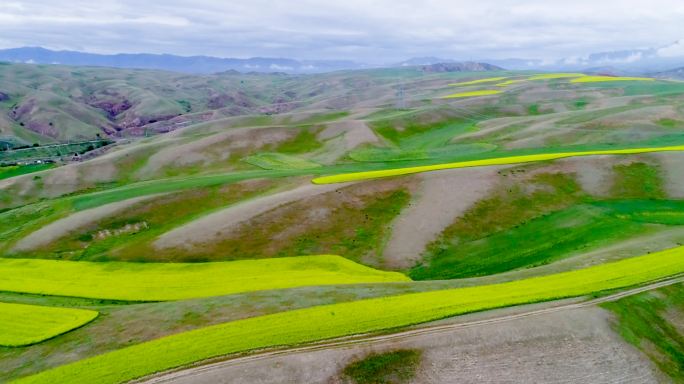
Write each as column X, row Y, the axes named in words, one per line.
column 507, row 209
column 502, row 232
column 351, row 222
column 336, row 320
column 652, row 322
column 128, row 234
column 437, row 135
column 564, row 233
column 156, row 282
column 38, row 323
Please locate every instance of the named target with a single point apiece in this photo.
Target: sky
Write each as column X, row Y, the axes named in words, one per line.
column 374, row 31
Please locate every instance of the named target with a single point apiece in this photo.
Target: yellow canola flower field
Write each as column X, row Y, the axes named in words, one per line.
column 22, row 324
column 356, row 176
column 337, row 320
column 480, row 81
column 551, row 76
column 176, row 281
column 509, row 82
column 484, row 92
column 600, row 79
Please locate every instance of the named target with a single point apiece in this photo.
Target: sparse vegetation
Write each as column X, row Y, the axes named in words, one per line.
column 638, row 181
column 320, row 225
column 395, row 367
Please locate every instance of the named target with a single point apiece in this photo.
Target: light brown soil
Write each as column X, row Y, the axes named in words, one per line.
column 442, row 196
column 594, row 173
column 673, row 168
column 342, row 137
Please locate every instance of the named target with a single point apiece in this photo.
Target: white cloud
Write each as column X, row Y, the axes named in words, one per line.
column 379, row 30
column 277, row 67
column 675, row 49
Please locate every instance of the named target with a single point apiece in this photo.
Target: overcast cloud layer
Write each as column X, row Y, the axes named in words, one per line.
column 363, row 30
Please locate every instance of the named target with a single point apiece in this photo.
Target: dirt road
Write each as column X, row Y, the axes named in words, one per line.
column 607, row 345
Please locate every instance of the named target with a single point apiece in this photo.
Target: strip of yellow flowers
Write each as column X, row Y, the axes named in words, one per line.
column 356, row 176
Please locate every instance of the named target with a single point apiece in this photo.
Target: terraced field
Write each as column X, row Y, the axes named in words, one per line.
column 216, row 237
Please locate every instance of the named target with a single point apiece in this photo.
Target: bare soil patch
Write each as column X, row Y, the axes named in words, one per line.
column 441, row 197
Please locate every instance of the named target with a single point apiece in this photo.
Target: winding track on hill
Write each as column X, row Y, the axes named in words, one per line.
column 186, row 375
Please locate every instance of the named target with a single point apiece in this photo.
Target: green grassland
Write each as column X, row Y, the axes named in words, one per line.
column 38, row 323
column 18, row 170
column 175, row 281
column 324, row 322
column 652, row 322
column 567, row 232
column 501, row 233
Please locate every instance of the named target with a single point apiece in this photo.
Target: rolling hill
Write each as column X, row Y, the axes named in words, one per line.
column 238, row 214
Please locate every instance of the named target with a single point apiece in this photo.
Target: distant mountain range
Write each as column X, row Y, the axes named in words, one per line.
column 208, row 64
column 188, row 64
column 677, row 73
column 636, row 61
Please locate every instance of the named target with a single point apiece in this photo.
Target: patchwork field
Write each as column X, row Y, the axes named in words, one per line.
column 207, row 228
column 318, row 323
